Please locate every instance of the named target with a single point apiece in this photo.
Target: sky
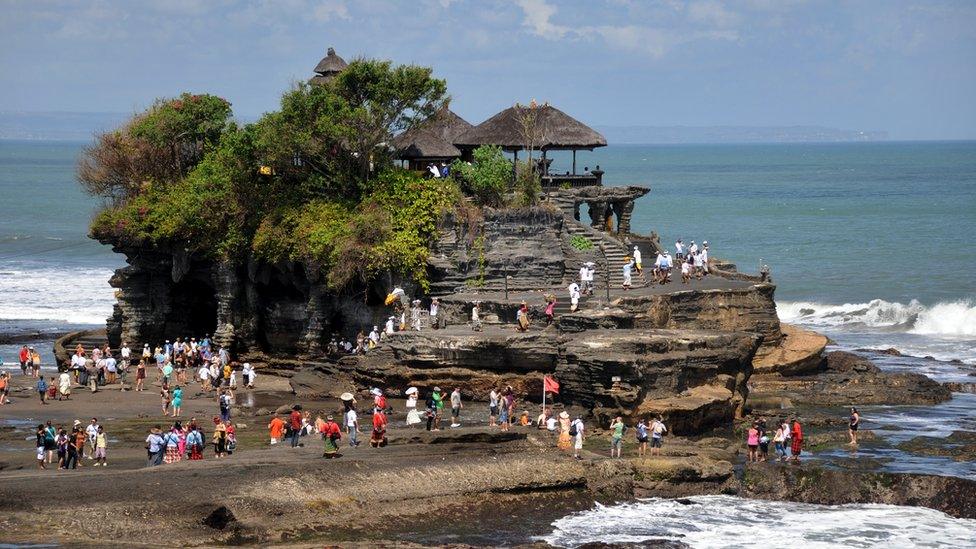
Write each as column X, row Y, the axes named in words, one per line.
column 906, row 67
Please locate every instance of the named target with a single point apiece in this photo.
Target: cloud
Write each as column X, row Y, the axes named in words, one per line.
column 328, row 10
column 538, row 15
column 714, row 13
column 705, row 20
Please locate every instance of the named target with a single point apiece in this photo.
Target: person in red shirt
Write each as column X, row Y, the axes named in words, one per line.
column 378, row 438
column 295, row 425
column 25, row 357
column 797, row 444
column 331, row 435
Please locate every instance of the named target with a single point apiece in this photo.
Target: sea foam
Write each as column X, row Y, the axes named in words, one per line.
column 950, row 319
column 726, row 521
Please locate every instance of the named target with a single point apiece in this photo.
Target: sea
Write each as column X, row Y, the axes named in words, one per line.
column 868, row 243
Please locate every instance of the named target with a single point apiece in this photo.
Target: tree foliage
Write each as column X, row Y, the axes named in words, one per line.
column 487, row 178
column 311, row 182
column 158, row 146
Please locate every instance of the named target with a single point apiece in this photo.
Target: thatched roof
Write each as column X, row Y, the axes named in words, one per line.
column 328, row 67
column 432, row 139
column 554, row 130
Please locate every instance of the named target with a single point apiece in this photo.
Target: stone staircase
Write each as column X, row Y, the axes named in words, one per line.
column 613, row 251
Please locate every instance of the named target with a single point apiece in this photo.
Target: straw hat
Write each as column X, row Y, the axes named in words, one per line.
column 346, row 397
column 564, row 414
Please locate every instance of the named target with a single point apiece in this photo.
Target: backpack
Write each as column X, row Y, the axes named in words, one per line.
column 572, row 429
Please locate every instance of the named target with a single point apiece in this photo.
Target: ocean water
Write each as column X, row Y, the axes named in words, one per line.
column 725, row 521
column 868, row 242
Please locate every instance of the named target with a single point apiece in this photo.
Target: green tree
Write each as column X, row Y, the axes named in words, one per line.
column 160, row 145
column 487, row 178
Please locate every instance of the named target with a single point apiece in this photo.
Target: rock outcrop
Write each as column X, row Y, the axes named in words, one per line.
column 849, row 378
column 695, row 379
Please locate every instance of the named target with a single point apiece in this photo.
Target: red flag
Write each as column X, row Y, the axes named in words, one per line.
column 550, row 384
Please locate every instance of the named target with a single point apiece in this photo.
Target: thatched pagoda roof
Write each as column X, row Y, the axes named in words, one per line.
column 554, row 130
column 328, row 67
column 434, row 138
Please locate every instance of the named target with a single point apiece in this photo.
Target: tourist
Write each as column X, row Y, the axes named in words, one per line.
column 64, row 386
column 388, row 329
column 331, row 436
column 438, row 397
column 540, row 421
column 628, row 266
column 456, row 406
column 91, row 432
column 295, row 425
column 177, row 402
column 42, row 390
column 36, row 362
column 476, row 317
column 172, row 443
column 430, row 411
column 617, row 438
column 524, row 420
column 232, row 384
column 853, row 425
column 155, row 445
column 503, row 416
column 378, row 437
column 778, row 439
column 247, row 375
column 415, row 310
column 576, row 431
column 550, row 309
column 763, row 442
column 25, row 360
column 77, row 366
column 81, row 437
column 231, row 437
column 141, row 376
column 61, row 443
column 52, row 388
column 666, row 268
column 522, row 318
column 219, row 438
column 687, row 266
column 508, row 401
column 692, row 248
column 657, row 435
column 637, row 260
column 194, row 441
column 699, row 269
column 111, row 367
column 73, row 454
column 574, row 296
column 551, row 424
column 752, row 441
column 413, row 416
column 4, row 387
column 352, row 427
column 435, row 306
column 796, row 434
column 679, row 250
column 642, row 436
column 276, row 429
column 493, row 407
column 40, row 437
column 374, row 337
column 565, row 441
column 165, row 398
column 787, row 435
column 223, row 404
column 704, row 257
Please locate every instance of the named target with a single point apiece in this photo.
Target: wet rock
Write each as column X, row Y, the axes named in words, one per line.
column 219, row 518
column 959, row 386
column 841, row 361
column 850, row 379
column 960, row 446
column 811, row 484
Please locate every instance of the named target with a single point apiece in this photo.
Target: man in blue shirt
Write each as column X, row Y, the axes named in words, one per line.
column 155, row 447
column 42, row 389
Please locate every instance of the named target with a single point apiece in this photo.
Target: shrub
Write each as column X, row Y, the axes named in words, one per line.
column 487, row 178
column 581, row 243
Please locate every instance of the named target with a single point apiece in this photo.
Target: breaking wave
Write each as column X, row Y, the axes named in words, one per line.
column 946, row 319
column 725, row 521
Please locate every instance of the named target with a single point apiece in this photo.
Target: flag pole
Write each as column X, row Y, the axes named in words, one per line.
column 543, row 395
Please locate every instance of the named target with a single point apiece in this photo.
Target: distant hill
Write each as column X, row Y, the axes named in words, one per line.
column 57, row 126
column 734, row 134
column 79, row 126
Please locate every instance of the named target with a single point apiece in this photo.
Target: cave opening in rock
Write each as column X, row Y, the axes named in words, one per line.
column 194, row 308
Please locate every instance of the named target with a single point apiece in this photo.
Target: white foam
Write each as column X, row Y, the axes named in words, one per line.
column 726, row 521
column 951, row 319
column 74, row 295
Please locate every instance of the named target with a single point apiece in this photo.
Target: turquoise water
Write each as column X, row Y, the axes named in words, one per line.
column 867, row 241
